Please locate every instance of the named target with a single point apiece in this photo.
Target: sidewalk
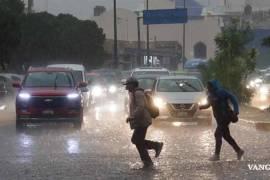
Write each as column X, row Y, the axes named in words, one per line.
column 255, row 117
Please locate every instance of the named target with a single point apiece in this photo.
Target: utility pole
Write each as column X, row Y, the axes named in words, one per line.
column 147, row 38
column 115, row 36
column 139, row 41
column 184, row 41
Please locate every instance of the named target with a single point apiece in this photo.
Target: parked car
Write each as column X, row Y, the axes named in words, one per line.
column 78, row 71
column 49, row 94
column 178, row 99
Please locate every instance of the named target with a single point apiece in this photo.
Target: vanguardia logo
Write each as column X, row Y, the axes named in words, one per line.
column 259, row 167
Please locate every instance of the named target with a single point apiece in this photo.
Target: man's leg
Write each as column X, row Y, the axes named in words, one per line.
column 138, row 139
column 227, row 136
column 218, row 137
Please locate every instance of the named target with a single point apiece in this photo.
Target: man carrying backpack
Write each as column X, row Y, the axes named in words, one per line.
column 140, row 119
column 219, row 99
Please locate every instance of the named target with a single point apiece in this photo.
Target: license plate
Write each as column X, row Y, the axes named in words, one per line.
column 181, row 114
column 48, row 112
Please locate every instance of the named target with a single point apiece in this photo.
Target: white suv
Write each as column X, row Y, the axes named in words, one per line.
column 150, row 71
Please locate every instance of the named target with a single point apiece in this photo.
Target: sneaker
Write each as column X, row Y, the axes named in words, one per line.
column 240, row 154
column 214, row 158
column 159, row 149
column 148, row 164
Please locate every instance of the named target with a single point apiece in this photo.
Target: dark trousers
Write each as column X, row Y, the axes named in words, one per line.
column 138, row 138
column 223, row 131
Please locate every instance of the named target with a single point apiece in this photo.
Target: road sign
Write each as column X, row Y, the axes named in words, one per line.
column 165, row 16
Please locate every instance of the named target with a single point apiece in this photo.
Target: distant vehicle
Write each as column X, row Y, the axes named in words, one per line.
column 49, row 94
column 178, row 99
column 78, row 71
column 103, row 88
column 195, row 64
column 150, row 71
column 262, row 92
column 7, row 94
column 13, row 77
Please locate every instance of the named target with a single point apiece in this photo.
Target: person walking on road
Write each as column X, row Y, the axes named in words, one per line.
column 219, row 99
column 140, row 119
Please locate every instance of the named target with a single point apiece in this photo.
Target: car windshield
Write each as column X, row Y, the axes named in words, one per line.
column 78, row 76
column 146, row 83
column 157, row 73
column 179, row 85
column 49, row 79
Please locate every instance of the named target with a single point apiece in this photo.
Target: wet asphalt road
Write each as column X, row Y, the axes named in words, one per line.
column 102, row 150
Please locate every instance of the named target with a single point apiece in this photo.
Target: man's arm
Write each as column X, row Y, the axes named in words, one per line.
column 234, row 101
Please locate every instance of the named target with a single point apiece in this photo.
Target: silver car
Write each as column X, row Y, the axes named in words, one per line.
column 178, row 99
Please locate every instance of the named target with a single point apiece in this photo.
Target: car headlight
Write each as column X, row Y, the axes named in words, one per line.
column 264, row 90
column 24, row 96
column 112, row 89
column 97, row 91
column 2, row 108
column 203, row 102
column 159, row 102
column 73, row 96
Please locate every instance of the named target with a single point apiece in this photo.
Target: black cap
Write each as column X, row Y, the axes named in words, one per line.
column 131, row 80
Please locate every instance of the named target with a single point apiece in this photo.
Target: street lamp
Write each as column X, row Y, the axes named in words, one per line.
column 147, row 37
column 115, row 36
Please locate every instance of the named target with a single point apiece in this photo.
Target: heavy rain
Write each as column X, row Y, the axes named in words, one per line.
column 134, row 89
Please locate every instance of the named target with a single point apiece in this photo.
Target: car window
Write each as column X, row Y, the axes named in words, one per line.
column 14, row 78
column 49, row 79
column 146, row 83
column 78, row 76
column 158, row 73
column 179, row 85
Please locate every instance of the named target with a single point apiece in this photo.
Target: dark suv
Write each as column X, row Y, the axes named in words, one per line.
column 49, row 94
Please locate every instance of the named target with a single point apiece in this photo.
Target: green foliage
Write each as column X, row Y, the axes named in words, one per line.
column 266, row 42
column 10, row 14
column 41, row 38
column 61, row 38
column 233, row 61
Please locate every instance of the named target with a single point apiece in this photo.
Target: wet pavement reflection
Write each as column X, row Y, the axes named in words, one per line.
column 101, row 149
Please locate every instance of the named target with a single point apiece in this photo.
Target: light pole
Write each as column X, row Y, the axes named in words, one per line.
column 147, row 37
column 139, row 41
column 115, row 57
column 184, row 41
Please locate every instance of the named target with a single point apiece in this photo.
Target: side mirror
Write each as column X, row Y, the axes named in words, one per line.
column 16, row 85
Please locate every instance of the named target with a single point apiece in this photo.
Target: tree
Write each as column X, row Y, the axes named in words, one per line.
column 65, row 39
column 10, row 13
column 266, row 41
column 233, row 61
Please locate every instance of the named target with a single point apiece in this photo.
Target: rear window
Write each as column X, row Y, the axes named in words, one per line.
column 157, row 73
column 49, row 79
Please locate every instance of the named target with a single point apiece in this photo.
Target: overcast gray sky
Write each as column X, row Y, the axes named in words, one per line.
column 82, row 8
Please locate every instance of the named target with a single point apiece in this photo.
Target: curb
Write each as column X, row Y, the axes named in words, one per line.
column 261, row 125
